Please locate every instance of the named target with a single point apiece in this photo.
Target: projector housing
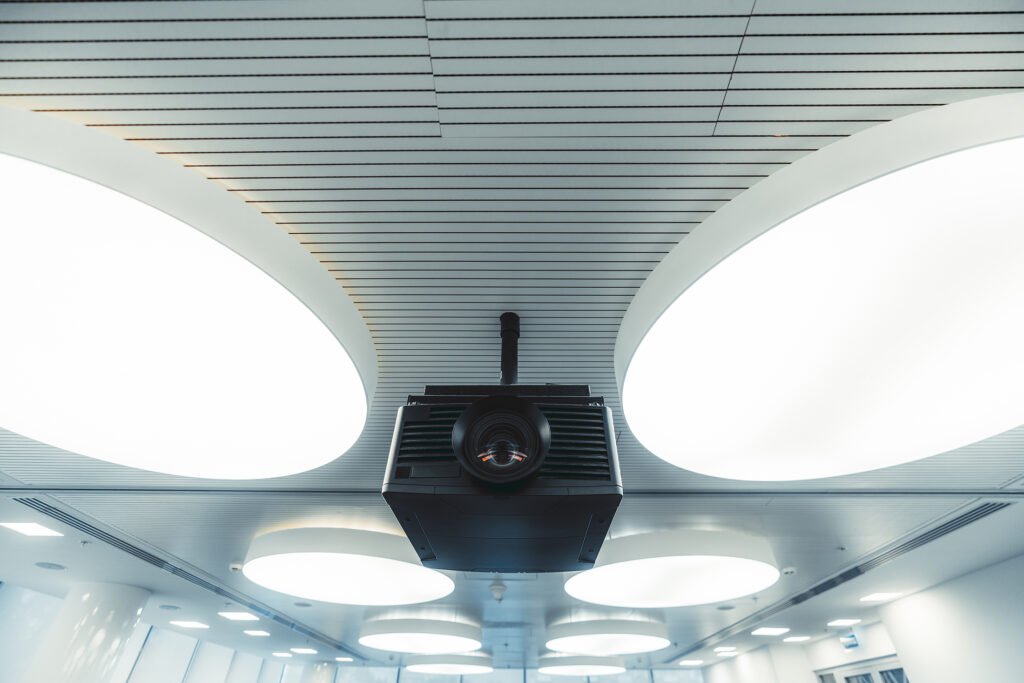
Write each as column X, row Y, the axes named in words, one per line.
column 548, row 512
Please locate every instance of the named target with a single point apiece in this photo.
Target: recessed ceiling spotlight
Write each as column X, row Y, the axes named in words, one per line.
column 450, row 665
column 607, row 637
column 873, row 292
column 343, row 659
column 691, row 662
column 676, row 568
column 880, row 597
column 796, row 639
column 189, row 624
column 282, row 654
column 30, row 529
column 844, row 622
column 303, row 650
column 258, row 634
column 725, row 648
column 239, row 616
column 769, row 631
column 52, row 566
column 420, row 636
column 346, row 566
column 580, row 665
column 130, row 350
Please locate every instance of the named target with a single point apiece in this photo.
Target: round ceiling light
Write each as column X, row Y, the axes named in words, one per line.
column 162, row 323
column 676, row 568
column 607, row 637
column 856, row 310
column 580, row 665
column 420, row 636
column 450, row 665
column 346, row 566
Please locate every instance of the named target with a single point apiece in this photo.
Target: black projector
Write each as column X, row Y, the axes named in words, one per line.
column 504, row 478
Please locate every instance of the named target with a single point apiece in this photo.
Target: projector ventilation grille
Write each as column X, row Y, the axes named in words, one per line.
column 579, row 444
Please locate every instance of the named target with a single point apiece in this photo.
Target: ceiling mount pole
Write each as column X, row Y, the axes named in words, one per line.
column 509, row 348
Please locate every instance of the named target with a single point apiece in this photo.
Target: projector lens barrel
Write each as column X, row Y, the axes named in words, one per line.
column 501, row 439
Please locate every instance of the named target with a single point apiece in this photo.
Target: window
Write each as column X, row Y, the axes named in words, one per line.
column 894, row 676
column 860, row 678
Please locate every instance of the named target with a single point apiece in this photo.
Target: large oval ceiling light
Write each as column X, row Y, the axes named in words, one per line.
column 152, row 319
column 580, row 665
column 607, row 637
column 345, row 566
column 450, row 665
column 858, row 309
column 420, row 636
column 675, row 569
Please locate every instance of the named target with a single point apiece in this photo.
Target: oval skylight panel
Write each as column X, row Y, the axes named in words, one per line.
column 857, row 310
column 132, row 337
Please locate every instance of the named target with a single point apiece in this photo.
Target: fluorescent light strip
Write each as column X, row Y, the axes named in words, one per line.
column 256, row 633
column 769, row 631
column 30, row 529
column 691, row 662
column 724, row 648
column 880, row 597
column 844, row 622
column 239, row 616
column 796, row 639
column 189, row 624
column 343, row 659
column 303, row 650
column 731, row 653
column 282, row 654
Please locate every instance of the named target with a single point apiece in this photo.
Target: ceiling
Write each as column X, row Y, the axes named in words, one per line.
column 449, row 160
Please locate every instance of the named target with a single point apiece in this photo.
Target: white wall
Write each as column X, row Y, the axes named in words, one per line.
column 25, row 617
column 750, row 667
column 967, row 629
column 791, row 663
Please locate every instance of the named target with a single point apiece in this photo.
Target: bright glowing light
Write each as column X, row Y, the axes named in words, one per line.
column 880, row 597
column 137, row 339
column 420, row 636
column 725, row 648
column 676, row 568
column 189, row 624
column 239, row 616
column 343, row 659
column 691, row 662
column 259, row 634
column 878, row 323
column 844, row 622
column 580, row 665
column 769, row 631
column 345, row 566
column 449, row 664
column 607, row 637
column 730, row 653
column 303, row 650
column 30, row 529
column 796, row 639
column 282, row 654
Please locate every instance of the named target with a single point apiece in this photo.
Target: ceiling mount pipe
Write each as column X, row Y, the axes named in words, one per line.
column 509, row 348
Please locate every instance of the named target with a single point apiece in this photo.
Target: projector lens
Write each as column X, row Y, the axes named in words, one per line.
column 501, row 439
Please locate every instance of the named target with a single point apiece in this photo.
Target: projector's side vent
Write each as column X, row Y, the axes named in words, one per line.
column 579, row 443
column 429, row 440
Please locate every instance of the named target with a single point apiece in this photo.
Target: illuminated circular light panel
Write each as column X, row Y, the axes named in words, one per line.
column 676, row 568
column 420, row 636
column 857, row 310
column 346, row 566
column 607, row 637
column 134, row 338
column 580, row 665
column 449, row 664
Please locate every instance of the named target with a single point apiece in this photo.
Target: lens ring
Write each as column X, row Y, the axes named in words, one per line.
column 501, row 439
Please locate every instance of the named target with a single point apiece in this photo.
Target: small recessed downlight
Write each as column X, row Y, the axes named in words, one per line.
column 769, row 631
column 239, row 616
column 676, row 568
column 580, row 665
column 450, row 665
column 345, row 566
column 420, row 636
column 607, row 637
